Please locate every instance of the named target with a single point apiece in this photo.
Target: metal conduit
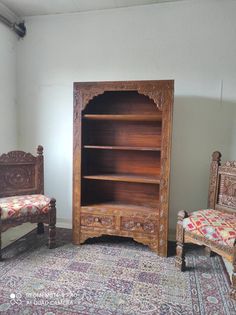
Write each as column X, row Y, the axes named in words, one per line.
column 18, row 28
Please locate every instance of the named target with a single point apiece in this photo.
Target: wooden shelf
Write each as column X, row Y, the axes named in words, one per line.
column 114, row 205
column 101, row 147
column 125, row 178
column 125, row 117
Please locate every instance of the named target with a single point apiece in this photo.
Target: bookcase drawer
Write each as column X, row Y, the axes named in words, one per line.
column 138, row 225
column 103, row 221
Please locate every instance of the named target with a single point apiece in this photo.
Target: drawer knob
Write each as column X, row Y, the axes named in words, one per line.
column 138, row 224
column 96, row 219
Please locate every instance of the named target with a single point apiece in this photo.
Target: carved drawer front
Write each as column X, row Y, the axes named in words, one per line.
column 138, row 225
column 103, row 221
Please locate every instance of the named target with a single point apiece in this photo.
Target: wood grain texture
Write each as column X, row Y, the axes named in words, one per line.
column 121, row 167
column 126, row 148
column 180, row 254
column 114, row 133
column 156, row 117
column 125, row 178
column 137, row 194
column 212, row 192
column 142, row 163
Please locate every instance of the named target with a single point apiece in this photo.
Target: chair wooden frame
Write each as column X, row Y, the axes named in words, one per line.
column 22, row 173
column 222, row 197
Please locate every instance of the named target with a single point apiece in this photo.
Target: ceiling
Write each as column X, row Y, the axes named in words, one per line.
column 25, row 8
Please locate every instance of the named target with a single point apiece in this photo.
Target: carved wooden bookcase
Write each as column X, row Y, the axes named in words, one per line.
column 121, row 160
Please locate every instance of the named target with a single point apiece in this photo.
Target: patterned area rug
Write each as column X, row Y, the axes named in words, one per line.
column 108, row 276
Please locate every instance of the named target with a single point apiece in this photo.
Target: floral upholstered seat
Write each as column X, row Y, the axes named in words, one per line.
column 16, row 206
column 213, row 225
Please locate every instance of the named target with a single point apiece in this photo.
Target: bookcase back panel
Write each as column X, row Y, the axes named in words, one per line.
column 120, row 102
column 146, row 195
column 121, row 162
column 121, row 133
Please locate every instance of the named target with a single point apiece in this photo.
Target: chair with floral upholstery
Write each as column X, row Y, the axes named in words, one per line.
column 214, row 227
column 21, row 193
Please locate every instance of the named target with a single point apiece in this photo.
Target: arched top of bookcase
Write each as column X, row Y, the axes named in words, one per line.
column 121, row 102
column 157, row 91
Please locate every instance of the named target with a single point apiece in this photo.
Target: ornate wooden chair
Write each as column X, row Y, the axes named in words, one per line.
column 214, row 227
column 21, row 193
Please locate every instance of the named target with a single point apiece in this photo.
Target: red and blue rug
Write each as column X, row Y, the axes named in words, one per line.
column 108, row 276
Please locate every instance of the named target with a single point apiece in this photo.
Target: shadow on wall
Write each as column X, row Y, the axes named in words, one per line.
column 200, row 126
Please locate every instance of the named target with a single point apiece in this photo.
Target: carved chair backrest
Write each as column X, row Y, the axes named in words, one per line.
column 222, row 189
column 21, row 173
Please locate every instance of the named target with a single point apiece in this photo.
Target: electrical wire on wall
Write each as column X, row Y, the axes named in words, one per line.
column 18, row 28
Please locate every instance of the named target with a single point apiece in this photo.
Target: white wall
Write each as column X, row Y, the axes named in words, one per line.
column 233, row 142
column 192, row 42
column 8, row 123
column 231, row 94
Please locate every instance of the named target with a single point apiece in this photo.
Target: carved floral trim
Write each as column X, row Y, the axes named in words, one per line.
column 212, row 184
column 133, row 225
column 228, row 167
column 228, row 201
column 89, row 220
column 150, row 89
column 227, row 194
column 229, row 164
column 17, row 157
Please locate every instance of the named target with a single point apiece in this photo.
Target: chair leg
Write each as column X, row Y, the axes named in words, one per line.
column 40, row 228
column 52, row 224
column 233, row 285
column 0, row 236
column 209, row 252
column 180, row 251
